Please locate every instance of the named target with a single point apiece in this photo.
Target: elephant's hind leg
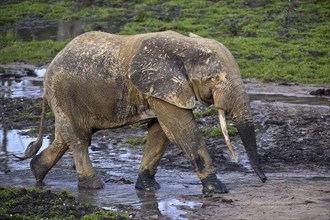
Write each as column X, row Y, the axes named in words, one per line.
column 68, row 136
column 43, row 162
column 153, row 152
column 87, row 176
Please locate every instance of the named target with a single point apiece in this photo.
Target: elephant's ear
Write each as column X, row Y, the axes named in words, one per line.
column 156, row 71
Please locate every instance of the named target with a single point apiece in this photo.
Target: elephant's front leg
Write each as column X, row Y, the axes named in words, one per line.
column 180, row 127
column 153, row 152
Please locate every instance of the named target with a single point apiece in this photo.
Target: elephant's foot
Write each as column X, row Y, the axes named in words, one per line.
column 39, row 168
column 146, row 181
column 90, row 182
column 212, row 185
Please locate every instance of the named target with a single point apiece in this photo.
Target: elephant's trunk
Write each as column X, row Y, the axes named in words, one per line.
column 247, row 134
column 243, row 119
column 241, row 114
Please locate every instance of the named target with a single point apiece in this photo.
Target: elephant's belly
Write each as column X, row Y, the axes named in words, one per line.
column 122, row 119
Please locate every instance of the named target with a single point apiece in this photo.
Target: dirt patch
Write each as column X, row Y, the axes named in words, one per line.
column 282, row 197
column 296, row 137
column 17, row 114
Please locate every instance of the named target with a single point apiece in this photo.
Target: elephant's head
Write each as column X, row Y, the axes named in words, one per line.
column 181, row 69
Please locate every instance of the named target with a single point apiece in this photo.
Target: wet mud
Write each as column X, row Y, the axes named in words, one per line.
column 293, row 135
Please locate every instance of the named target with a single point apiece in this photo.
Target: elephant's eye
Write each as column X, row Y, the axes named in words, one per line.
column 207, row 95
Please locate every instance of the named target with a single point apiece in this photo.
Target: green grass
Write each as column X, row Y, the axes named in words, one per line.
column 207, row 112
column 216, row 132
column 272, row 40
column 64, row 10
column 33, row 52
column 137, row 141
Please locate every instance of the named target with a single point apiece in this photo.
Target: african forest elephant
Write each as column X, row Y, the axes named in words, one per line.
column 100, row 81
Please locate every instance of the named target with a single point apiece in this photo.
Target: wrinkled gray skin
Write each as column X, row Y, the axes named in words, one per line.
column 101, row 81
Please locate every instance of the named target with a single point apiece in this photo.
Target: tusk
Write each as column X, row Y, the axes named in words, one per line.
column 225, row 132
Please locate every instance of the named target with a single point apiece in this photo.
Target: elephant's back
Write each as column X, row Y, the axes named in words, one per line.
column 88, row 78
column 98, row 53
column 86, row 54
column 94, row 54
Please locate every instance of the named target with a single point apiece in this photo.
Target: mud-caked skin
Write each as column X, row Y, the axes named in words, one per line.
column 212, row 185
column 40, row 164
column 38, row 168
column 103, row 81
column 146, row 181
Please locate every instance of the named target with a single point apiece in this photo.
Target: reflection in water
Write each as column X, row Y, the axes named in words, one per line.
column 57, row 31
column 66, row 30
column 169, row 208
column 163, row 207
column 116, row 162
column 152, row 203
column 13, row 88
column 4, row 159
column 31, row 87
column 148, row 202
column 12, row 142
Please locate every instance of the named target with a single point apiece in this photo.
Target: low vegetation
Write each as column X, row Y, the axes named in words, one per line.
column 34, row 203
column 216, row 132
column 29, row 111
column 207, row 112
column 137, row 141
column 271, row 40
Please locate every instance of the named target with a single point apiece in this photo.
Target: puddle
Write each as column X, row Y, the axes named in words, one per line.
column 308, row 100
column 29, row 85
column 13, row 142
column 164, row 202
column 48, row 30
column 169, row 206
column 122, row 162
column 59, row 30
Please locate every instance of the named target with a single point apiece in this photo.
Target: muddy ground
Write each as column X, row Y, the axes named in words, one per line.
column 294, row 138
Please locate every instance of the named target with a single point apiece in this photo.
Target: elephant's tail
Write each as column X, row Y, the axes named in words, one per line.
column 33, row 148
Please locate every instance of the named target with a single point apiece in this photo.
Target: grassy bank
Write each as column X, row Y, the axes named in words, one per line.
column 271, row 40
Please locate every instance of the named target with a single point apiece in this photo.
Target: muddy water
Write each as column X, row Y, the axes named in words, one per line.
column 307, row 100
column 46, row 30
column 23, row 82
